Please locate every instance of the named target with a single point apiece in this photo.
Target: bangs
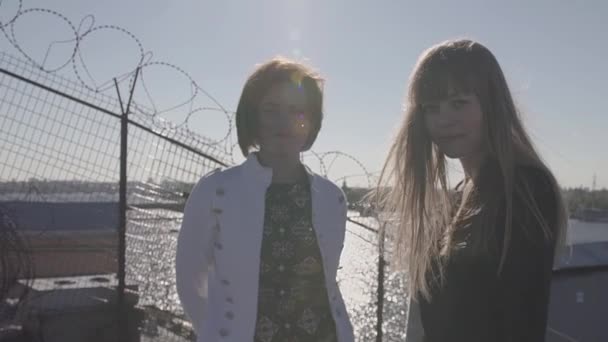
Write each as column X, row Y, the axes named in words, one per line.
column 443, row 76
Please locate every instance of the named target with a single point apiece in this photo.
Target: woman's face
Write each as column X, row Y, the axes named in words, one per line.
column 284, row 120
column 455, row 124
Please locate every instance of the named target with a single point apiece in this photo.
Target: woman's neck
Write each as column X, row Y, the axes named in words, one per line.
column 471, row 165
column 285, row 168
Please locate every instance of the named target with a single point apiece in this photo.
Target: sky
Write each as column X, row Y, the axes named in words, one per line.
column 552, row 52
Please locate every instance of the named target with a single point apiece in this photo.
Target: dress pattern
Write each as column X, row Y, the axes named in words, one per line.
column 292, row 299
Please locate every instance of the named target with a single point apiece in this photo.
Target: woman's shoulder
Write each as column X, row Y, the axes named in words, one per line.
column 536, row 192
column 537, row 179
column 220, row 175
column 210, row 180
column 209, row 177
column 326, row 185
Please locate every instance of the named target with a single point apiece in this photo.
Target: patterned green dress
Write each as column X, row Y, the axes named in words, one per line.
column 292, row 299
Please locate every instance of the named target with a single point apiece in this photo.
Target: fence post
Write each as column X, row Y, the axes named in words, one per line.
column 380, row 298
column 123, row 326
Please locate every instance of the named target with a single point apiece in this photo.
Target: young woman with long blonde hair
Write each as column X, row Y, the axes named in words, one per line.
column 478, row 257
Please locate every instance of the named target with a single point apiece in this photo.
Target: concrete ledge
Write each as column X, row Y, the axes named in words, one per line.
column 83, row 308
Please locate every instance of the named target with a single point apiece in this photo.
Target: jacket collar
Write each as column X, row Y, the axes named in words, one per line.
column 263, row 175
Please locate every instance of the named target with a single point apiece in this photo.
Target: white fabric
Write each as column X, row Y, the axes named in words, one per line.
column 219, row 244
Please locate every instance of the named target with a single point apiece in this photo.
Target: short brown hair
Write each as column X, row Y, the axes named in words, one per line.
column 277, row 70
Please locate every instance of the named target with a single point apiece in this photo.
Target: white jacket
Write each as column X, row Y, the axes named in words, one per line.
column 219, row 246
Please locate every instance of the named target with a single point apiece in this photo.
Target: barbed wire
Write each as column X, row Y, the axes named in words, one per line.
column 164, row 152
column 146, row 105
column 84, row 32
column 146, row 110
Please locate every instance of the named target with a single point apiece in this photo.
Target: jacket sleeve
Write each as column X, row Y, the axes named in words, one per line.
column 526, row 278
column 194, row 248
column 414, row 329
column 343, row 210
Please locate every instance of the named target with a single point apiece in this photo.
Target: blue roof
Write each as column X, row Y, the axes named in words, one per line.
column 584, row 255
column 64, row 216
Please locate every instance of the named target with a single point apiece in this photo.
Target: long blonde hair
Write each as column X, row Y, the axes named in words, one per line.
column 414, row 181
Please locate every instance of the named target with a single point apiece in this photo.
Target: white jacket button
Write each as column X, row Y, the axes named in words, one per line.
column 229, row 300
column 219, row 191
column 218, row 246
column 224, row 332
column 225, row 282
column 229, row 315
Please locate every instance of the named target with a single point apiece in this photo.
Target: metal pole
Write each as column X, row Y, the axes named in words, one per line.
column 380, row 298
column 105, row 111
column 122, row 207
column 122, row 219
